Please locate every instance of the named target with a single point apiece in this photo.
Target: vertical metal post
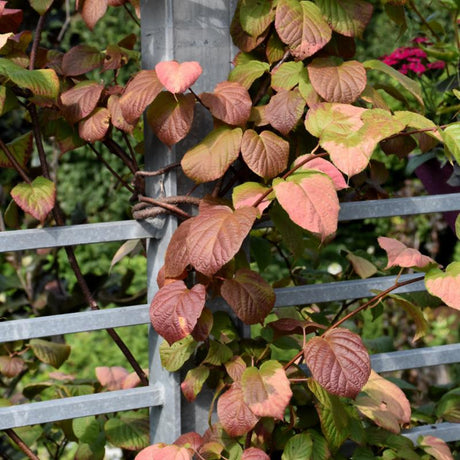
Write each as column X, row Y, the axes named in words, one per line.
column 184, row 30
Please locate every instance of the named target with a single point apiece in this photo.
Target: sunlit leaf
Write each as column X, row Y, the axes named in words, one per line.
column 37, row 198
column 129, row 430
column 176, row 258
column 445, row 284
column 210, row 159
column 50, row 352
column 174, row 356
column 253, row 453
column 193, row 382
column 245, row 74
column 125, row 249
column 216, row 235
column 435, row 447
column 79, row 101
column 448, row 407
column 287, row 75
column 175, row 309
column 95, row 127
column 177, row 77
column 335, row 81
column 248, row 193
column 451, row 136
column 20, row 148
column 81, row 59
column 171, row 116
column 111, row 377
column 285, row 109
column 191, row 441
column 302, row 27
column 92, row 10
column 256, row 16
column 338, row 361
column 116, row 115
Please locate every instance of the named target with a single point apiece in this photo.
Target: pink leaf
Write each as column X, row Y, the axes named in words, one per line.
column 116, row 115
column 445, row 285
column 92, row 11
column 436, row 447
column 175, row 310
column 163, row 452
column 254, row 454
column 235, row 367
column 189, row 440
column 79, row 101
column 285, row 109
column 248, row 193
column 111, row 377
column 401, row 256
column 322, row 165
column 176, row 258
column 176, row 77
column 339, row 362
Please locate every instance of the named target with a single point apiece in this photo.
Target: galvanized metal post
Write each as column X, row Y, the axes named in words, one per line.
column 184, row 30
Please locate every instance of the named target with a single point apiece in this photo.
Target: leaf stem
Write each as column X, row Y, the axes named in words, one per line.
column 131, row 15
column 158, row 172
column 424, row 21
column 21, row 444
column 293, row 360
column 14, row 162
column 120, row 153
column 198, row 98
column 130, row 148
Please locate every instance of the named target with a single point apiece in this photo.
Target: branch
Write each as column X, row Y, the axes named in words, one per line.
column 158, row 172
column 130, row 148
column 119, row 152
column 14, row 162
column 21, row 444
column 424, row 21
column 36, row 42
column 162, row 204
column 131, row 15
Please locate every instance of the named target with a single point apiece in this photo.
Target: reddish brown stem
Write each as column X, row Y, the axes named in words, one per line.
column 120, row 153
column 14, row 162
column 158, row 172
column 36, row 42
column 293, row 360
column 169, row 207
column 21, row 444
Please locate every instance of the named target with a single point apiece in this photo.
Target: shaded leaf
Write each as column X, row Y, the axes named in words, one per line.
column 349, row 17
column 95, row 127
column 40, row 6
column 11, row 366
column 245, row 74
column 249, row 295
column 37, row 198
column 111, row 377
column 216, row 235
column 8, row 101
column 130, row 430
column 266, row 153
column 284, row 110
column 448, row 408
column 176, row 257
column 445, row 284
column 337, row 82
column 306, row 446
column 256, row 16
column 234, row 414
column 177, row 77
column 275, row 48
column 116, row 115
column 21, row 148
column 50, row 352
column 125, row 249
column 302, row 27
column 338, row 361
column 416, row 313
column 361, row 266
column 210, row 159
column 86, row 429
column 242, row 39
column 174, row 356
column 311, row 202
column 457, row 226
column 384, row 403
column 253, row 453
column 266, row 390
column 175, row 309
column 190, row 440
column 401, row 256
column 435, row 447
column 193, row 382
column 79, row 101
column 81, row 59
column 248, row 193
column 324, row 166
column 140, row 91
column 230, row 102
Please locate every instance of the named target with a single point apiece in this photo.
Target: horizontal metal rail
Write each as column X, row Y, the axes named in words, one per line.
column 18, row 240
column 447, row 431
column 80, row 406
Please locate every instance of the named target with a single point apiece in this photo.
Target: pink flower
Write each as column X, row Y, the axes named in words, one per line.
column 420, row 40
column 436, row 65
column 416, row 67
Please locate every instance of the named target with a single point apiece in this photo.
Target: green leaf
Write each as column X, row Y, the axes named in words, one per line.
column 86, row 429
column 21, row 149
column 34, row 389
column 451, row 136
column 51, row 353
column 410, row 85
column 29, row 434
column 91, row 451
column 256, row 16
column 416, row 313
column 299, row 447
column 449, row 406
column 128, row 431
column 40, row 6
column 218, row 353
column 457, row 226
column 8, row 100
column 362, row 267
column 194, row 381
column 248, row 72
column 173, row 357
column 37, row 198
column 287, row 75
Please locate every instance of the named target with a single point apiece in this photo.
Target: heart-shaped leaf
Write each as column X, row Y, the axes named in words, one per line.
column 175, row 309
column 324, row 166
column 311, row 201
column 337, row 82
column 301, row 26
column 216, row 235
column 95, row 127
column 21, row 148
column 193, row 382
column 361, row 266
column 176, row 77
column 81, row 59
column 249, row 295
column 384, row 403
column 339, row 362
column 162, row 452
column 171, row 116
column 37, row 198
column 242, row 39
column 230, row 102
column 234, row 414
column 284, row 110
column 248, row 193
column 266, row 153
column 349, row 17
column 210, row 159
column 256, row 16
column 111, row 377
column 139, row 93
column 235, row 367
column 130, row 430
column 401, row 256
column 79, row 101
column 445, row 284
column 191, row 440
column 267, row 390
column 50, row 352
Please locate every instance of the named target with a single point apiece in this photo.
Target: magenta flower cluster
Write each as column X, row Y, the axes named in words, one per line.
column 412, row 59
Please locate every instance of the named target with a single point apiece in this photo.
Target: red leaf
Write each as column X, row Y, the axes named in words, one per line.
column 11, row 366
column 248, row 193
column 284, row 110
column 234, row 414
column 10, row 19
column 401, row 256
column 216, row 235
column 249, row 295
column 139, row 93
column 310, row 201
column 289, row 326
column 116, row 115
column 302, row 27
column 193, row 383
column 81, row 59
column 266, row 153
column 95, row 127
column 189, row 440
column 254, row 454
column 171, row 116
column 176, row 77
column 445, row 285
column 339, row 362
column 322, row 165
column 210, row 159
column 79, row 101
column 175, row 310
column 230, row 102
column 176, row 258
column 203, row 326
column 37, row 198
column 267, row 390
column 92, row 11
column 337, row 83
column 111, row 377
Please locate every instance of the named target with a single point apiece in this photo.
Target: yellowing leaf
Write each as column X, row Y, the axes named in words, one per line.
column 175, row 309
column 416, row 313
column 287, row 75
column 174, row 356
column 193, row 382
column 324, row 166
column 338, row 361
column 248, row 193
column 245, row 74
column 242, row 39
column 445, row 285
column 451, row 136
column 435, row 447
column 256, row 16
column 95, row 127
column 210, row 159
column 21, row 149
column 177, row 77
column 50, row 352
column 362, row 267
column 40, row 6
